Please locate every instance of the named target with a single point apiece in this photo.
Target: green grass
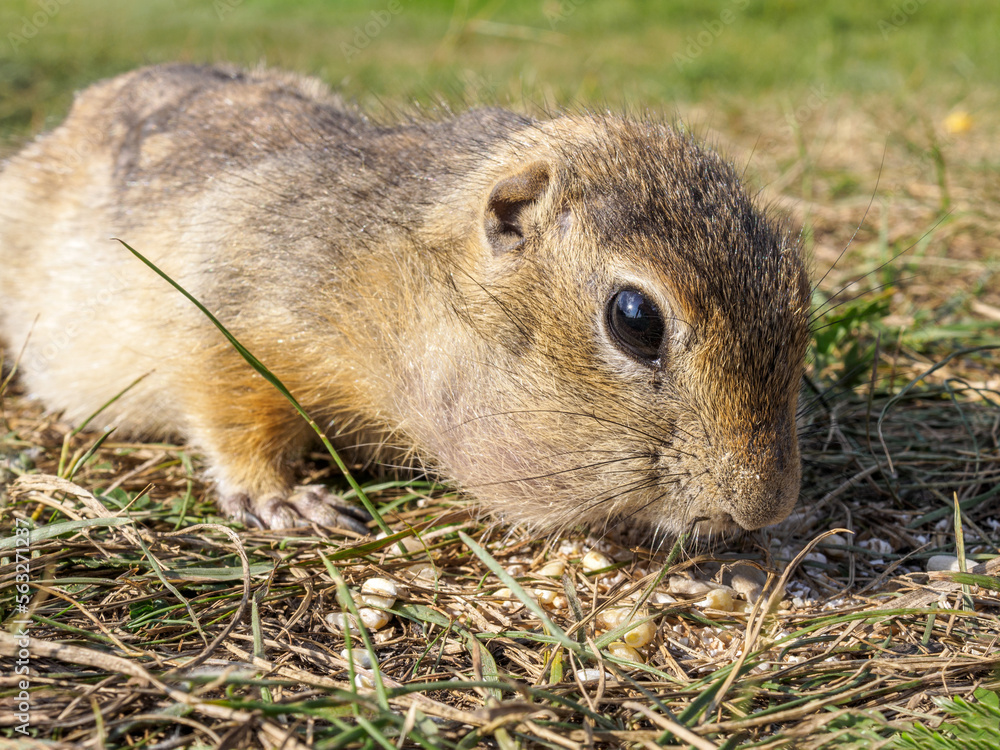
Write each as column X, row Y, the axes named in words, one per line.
column 640, row 53
column 973, row 724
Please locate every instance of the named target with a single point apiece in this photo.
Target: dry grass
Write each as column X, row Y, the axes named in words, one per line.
column 169, row 630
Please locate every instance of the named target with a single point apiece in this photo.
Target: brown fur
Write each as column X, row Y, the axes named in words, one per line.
column 432, row 290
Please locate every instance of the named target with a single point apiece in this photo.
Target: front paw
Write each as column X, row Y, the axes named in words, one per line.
column 306, row 504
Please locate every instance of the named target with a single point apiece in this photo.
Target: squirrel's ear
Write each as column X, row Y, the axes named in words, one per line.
column 506, row 219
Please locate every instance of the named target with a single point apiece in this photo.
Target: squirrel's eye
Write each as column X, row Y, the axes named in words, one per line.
column 636, row 325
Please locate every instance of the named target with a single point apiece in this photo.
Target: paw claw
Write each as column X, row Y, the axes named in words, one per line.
column 317, row 504
column 307, row 504
column 238, row 507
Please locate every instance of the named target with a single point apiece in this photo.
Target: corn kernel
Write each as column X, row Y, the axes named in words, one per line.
column 379, row 592
column 624, row 651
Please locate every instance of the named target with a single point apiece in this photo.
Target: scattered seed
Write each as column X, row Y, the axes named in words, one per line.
column 595, row 560
column 592, row 675
column 545, row 597
column 611, row 581
column 947, row 562
column 410, row 543
column 687, row 587
column 720, row 599
column 338, row 622
column 571, row 548
column 835, row 545
column 374, row 619
column 553, row 569
column 878, row 546
column 379, row 592
column 609, row 619
column 746, row 580
column 624, row 651
column 641, row 635
column 359, row 656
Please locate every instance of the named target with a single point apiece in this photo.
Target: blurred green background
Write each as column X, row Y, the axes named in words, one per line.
column 540, row 52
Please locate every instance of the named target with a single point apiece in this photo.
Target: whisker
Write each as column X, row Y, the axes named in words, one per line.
column 871, row 201
column 821, row 396
column 819, row 310
column 547, row 475
column 620, row 492
column 567, row 413
column 851, row 299
column 639, row 510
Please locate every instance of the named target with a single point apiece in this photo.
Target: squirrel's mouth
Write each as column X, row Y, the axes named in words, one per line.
column 715, row 526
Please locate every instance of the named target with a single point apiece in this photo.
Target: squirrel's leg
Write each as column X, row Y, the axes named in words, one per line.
column 253, row 440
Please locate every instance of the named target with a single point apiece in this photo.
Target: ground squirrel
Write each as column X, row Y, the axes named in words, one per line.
column 584, row 320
